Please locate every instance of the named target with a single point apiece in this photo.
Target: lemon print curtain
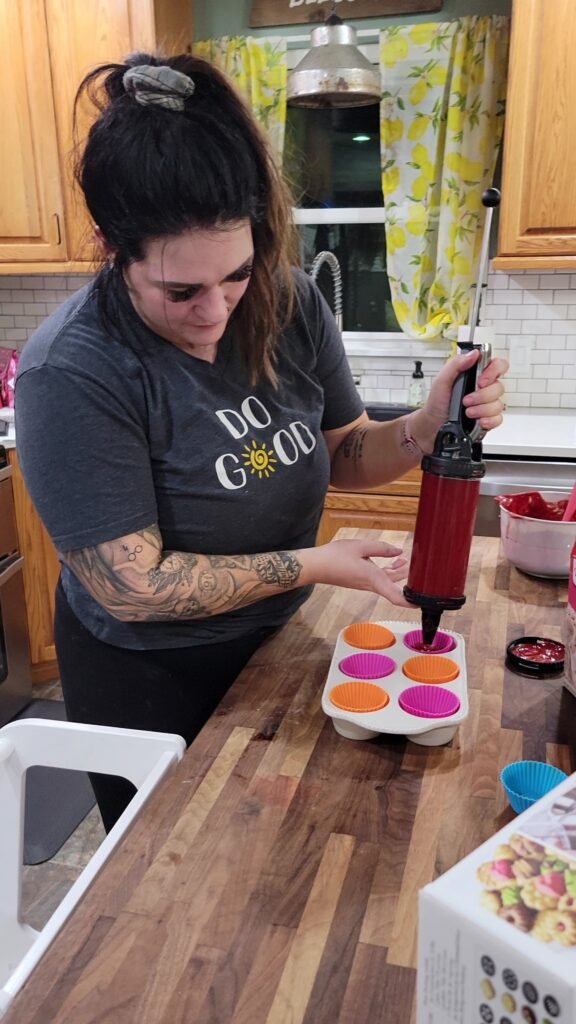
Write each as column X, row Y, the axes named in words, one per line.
column 258, row 68
column 442, row 117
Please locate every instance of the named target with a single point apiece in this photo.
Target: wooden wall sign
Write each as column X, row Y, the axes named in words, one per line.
column 302, row 12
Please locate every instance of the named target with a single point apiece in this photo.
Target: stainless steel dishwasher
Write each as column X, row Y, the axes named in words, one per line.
column 15, row 677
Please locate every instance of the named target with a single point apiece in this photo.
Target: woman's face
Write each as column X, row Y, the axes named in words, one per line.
column 187, row 285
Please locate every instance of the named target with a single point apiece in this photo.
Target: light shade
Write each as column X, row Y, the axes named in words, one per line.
column 334, row 73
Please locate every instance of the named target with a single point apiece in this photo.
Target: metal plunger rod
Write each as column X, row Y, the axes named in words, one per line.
column 490, row 199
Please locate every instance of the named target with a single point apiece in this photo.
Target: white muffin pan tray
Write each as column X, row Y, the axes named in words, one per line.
column 392, row 718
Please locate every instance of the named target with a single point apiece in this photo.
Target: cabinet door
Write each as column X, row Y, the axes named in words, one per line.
column 333, row 519
column 366, row 510
column 31, row 205
column 83, row 35
column 41, row 570
column 538, row 215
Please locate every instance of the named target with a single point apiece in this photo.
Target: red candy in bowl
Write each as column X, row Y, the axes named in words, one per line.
column 533, row 505
column 534, row 538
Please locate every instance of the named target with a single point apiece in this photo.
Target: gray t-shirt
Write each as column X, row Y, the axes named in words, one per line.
column 119, row 430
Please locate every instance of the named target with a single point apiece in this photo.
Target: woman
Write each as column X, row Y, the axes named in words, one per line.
column 180, row 418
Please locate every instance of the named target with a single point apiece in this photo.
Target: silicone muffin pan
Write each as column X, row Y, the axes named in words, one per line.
column 382, row 679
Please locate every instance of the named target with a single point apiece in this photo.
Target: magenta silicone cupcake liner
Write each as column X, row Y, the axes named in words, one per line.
column 429, row 702
column 367, row 665
column 441, row 644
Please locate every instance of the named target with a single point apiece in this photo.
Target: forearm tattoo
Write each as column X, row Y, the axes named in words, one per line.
column 353, row 444
column 137, row 581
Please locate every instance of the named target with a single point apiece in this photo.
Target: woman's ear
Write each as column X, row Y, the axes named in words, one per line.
column 106, row 250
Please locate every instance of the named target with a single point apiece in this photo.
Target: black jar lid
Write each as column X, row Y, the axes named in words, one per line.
column 536, row 656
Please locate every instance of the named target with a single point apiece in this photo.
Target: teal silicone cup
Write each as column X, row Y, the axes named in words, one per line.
column 367, row 665
column 526, row 781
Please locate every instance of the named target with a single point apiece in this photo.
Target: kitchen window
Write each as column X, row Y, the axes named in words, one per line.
column 332, row 161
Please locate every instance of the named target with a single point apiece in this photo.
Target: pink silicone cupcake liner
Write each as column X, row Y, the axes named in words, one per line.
column 441, row 644
column 429, row 702
column 367, row 665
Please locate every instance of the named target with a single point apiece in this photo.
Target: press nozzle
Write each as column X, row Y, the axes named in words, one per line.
column 430, row 624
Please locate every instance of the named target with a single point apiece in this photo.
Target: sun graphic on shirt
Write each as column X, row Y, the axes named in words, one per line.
column 260, row 460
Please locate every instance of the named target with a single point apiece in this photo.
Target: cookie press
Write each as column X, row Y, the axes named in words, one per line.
column 451, row 484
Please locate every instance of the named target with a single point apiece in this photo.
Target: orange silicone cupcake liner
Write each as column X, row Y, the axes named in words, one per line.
column 359, row 696
column 368, row 635
column 431, row 668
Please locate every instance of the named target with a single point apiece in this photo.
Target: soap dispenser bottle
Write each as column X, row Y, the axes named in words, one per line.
column 416, row 389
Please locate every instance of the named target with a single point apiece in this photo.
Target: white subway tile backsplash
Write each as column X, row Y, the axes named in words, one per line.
column 510, row 297
column 498, row 280
column 516, row 399
column 561, row 355
column 14, row 335
column 560, row 281
column 553, row 312
column 548, row 401
column 567, row 327
column 540, row 308
column 35, row 308
column 493, row 312
column 523, row 281
column 535, row 326
column 540, row 356
column 551, row 341
column 549, row 371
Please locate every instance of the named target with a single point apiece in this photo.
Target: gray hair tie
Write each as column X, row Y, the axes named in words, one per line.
column 160, row 85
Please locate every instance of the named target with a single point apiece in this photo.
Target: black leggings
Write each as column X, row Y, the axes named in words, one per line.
column 170, row 690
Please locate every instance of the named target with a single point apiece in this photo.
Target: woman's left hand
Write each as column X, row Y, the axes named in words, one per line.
column 485, row 404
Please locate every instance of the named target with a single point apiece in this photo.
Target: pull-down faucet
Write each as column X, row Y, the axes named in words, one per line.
column 328, row 257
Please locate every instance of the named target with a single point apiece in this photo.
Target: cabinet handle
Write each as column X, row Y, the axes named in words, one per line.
column 58, row 232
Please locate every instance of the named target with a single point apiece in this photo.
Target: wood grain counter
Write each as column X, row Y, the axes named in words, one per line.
column 273, row 876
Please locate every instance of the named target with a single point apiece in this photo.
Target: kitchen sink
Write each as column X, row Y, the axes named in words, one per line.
column 387, row 410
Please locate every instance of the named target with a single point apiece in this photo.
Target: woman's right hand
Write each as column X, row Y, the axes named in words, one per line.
column 348, row 563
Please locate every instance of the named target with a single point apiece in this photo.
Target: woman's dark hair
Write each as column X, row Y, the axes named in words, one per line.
column 148, row 172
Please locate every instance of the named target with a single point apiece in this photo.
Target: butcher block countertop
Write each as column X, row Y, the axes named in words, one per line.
column 273, row 876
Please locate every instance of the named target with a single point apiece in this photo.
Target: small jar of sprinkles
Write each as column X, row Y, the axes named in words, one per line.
column 535, row 656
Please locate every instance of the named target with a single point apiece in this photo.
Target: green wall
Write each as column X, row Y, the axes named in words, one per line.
column 230, row 17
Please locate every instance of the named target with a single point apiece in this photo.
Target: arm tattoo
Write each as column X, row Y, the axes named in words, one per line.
column 353, row 445
column 135, row 580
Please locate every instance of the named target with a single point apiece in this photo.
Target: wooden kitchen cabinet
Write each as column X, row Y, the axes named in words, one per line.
column 538, row 211
column 389, row 507
column 41, row 570
column 46, row 47
column 32, row 204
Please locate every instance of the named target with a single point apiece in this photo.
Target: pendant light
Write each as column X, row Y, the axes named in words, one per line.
column 334, row 73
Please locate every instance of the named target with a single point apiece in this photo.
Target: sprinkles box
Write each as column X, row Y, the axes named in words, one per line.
column 497, row 932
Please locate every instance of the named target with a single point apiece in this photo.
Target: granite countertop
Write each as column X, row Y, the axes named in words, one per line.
column 274, row 874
